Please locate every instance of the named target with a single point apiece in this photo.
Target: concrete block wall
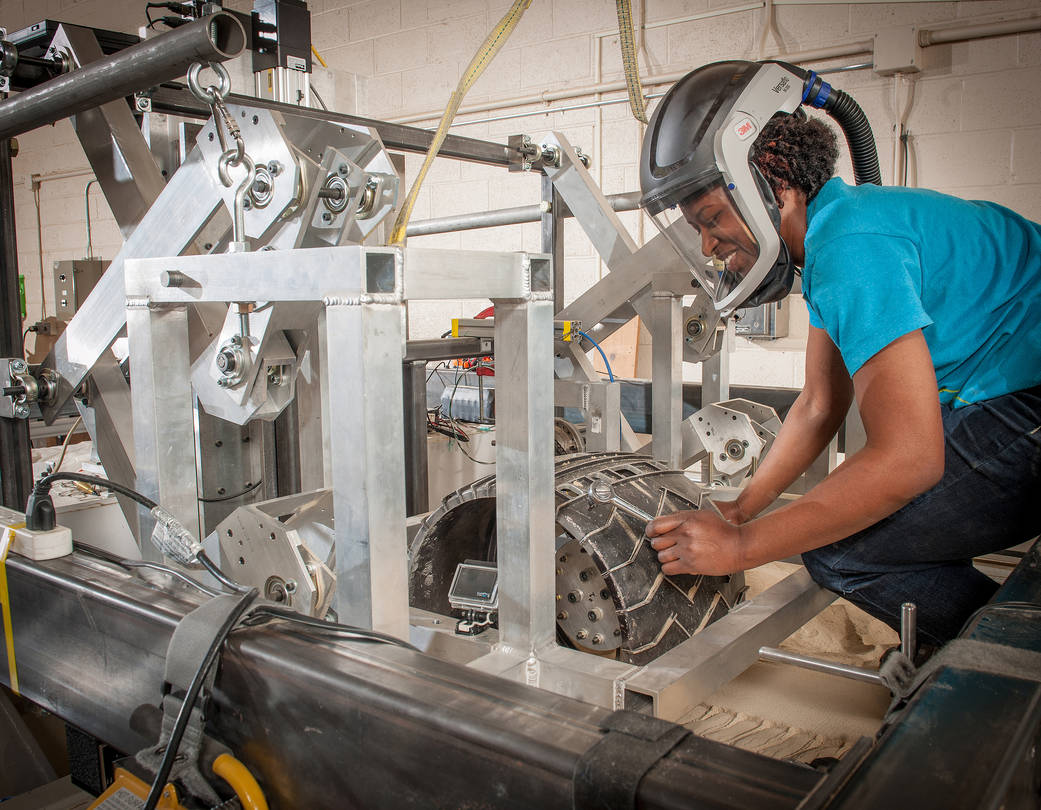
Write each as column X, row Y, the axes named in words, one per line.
column 974, row 124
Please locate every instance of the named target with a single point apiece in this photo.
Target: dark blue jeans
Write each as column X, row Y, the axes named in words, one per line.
column 988, row 499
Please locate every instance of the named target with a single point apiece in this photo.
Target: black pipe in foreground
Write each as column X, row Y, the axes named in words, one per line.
column 215, row 38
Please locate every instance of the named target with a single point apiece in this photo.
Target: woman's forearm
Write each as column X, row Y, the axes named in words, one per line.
column 803, row 436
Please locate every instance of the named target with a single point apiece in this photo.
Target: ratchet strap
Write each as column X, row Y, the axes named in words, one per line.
column 607, row 775
column 6, row 541
column 184, row 656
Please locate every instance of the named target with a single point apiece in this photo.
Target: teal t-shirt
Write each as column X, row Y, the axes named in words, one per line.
column 882, row 262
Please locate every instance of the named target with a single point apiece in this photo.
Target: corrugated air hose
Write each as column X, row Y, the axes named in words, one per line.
column 492, row 45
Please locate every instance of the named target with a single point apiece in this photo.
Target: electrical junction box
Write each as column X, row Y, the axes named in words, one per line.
column 73, row 281
column 897, row 51
column 764, row 321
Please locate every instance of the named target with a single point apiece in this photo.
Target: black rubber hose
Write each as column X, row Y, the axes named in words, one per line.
column 848, row 115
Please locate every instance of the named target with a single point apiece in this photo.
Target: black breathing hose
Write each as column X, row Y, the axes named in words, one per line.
column 847, row 114
column 844, row 109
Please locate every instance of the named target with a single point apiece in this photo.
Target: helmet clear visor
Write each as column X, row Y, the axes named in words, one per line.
column 711, row 235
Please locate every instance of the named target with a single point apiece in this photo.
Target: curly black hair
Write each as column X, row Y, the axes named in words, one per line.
column 794, row 151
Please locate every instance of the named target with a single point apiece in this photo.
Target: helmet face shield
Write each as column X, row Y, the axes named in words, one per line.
column 700, row 189
column 710, row 233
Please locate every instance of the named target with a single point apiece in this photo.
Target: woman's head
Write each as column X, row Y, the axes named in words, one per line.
column 796, row 152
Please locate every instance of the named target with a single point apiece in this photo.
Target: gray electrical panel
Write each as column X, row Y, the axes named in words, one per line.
column 73, row 281
column 763, row 321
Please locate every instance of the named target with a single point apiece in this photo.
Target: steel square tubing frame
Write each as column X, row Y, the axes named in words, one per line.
column 361, row 291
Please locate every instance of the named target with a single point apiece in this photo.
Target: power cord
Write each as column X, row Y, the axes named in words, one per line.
column 130, row 565
column 264, row 613
column 170, row 536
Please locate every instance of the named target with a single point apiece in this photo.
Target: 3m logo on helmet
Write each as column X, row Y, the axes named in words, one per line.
column 744, row 129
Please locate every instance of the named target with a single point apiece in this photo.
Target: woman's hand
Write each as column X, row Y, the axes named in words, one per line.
column 696, row 542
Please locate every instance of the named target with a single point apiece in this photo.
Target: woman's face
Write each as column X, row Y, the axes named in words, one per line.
column 724, row 235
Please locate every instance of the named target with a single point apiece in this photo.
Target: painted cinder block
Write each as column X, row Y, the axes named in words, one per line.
column 556, row 63
column 329, row 30
column 1026, row 155
column 1007, row 99
column 964, row 159
column 374, row 19
column 401, row 51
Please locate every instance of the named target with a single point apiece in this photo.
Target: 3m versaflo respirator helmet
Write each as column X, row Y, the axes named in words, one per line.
column 704, row 194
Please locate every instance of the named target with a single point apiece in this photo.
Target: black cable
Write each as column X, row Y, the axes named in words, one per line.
column 204, row 560
column 42, row 491
column 25, row 334
column 122, row 562
column 263, row 613
column 191, row 696
column 43, row 486
column 223, row 498
column 318, row 98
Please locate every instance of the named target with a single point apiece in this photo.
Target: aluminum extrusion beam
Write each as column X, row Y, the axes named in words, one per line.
column 682, row 677
column 446, row 349
column 216, row 38
column 112, row 140
column 524, row 470
column 295, row 706
column 15, row 466
column 667, row 378
column 166, row 230
column 176, row 100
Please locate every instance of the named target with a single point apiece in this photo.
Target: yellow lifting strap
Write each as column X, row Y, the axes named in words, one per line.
column 627, row 41
column 492, row 45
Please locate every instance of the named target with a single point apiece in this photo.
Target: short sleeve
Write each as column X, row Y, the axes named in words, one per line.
column 865, row 291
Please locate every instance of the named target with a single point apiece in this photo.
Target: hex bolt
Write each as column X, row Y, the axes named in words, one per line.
column 601, row 491
column 290, row 586
column 598, row 638
column 327, row 217
column 275, row 168
column 562, row 616
column 574, row 596
column 605, row 594
column 595, row 615
column 343, row 169
column 581, row 634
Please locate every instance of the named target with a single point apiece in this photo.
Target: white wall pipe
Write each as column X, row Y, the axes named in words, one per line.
column 964, row 33
column 926, row 37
